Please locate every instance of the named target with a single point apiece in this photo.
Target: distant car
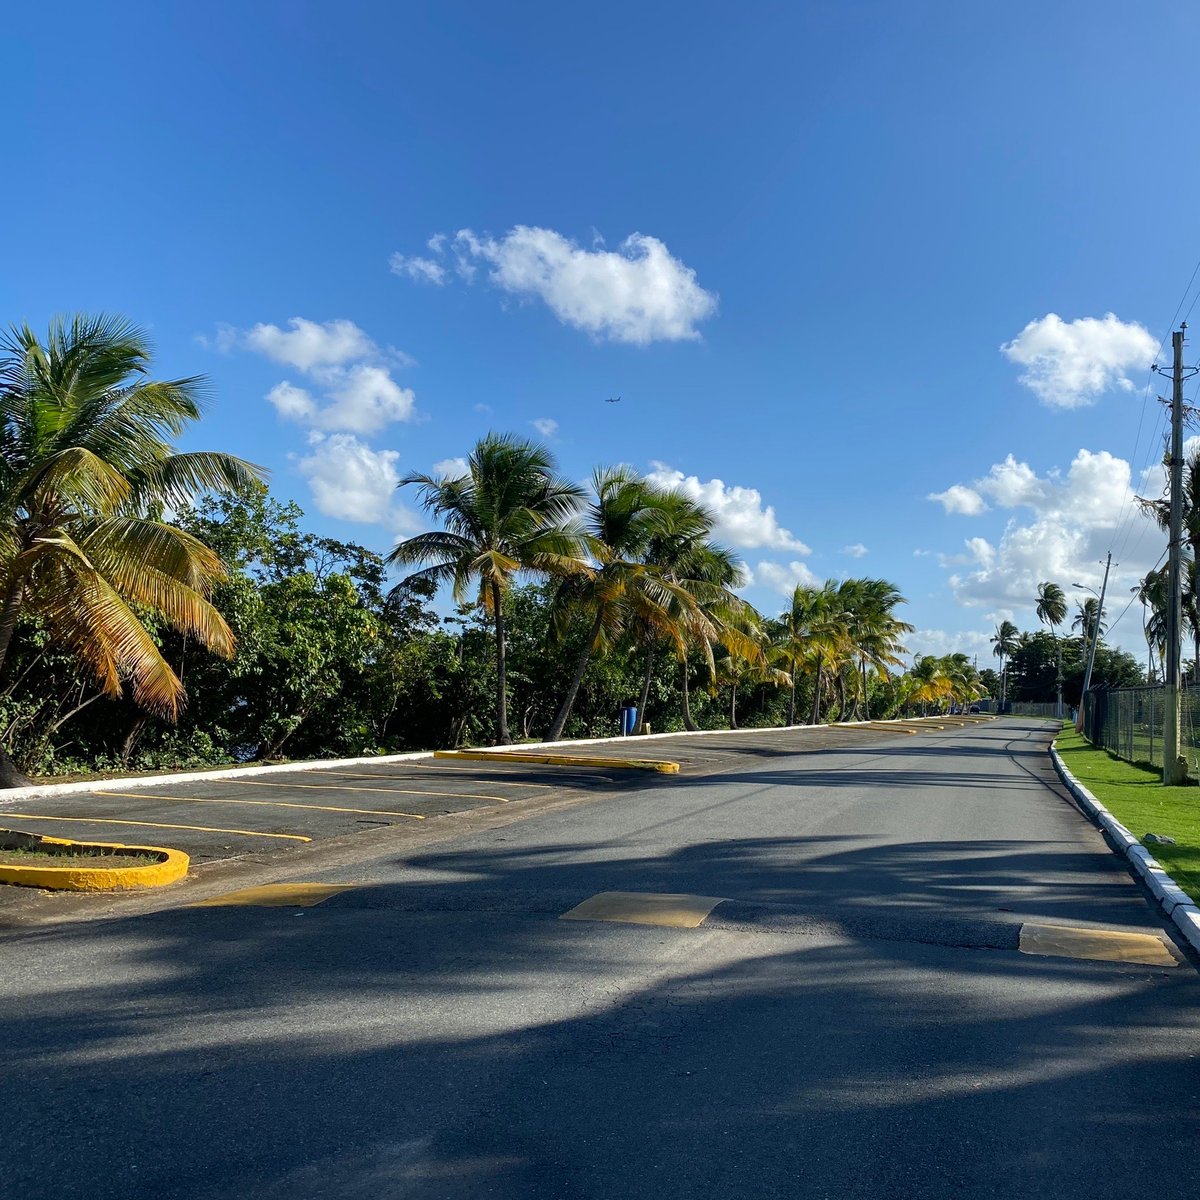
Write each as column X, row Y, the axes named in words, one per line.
column 974, row 708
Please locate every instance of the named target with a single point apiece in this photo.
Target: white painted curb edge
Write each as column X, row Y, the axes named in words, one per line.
column 37, row 791
column 1175, row 902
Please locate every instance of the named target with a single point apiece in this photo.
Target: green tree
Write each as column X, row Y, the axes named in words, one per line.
column 87, row 466
column 509, row 513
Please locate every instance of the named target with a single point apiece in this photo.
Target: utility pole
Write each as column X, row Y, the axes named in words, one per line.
column 1174, row 767
column 1087, row 675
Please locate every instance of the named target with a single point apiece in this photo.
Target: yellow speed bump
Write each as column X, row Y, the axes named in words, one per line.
column 1105, row 945
column 645, row 908
column 563, row 760
column 170, row 866
column 276, row 895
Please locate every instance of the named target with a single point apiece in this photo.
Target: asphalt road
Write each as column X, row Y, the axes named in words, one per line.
column 853, row 1017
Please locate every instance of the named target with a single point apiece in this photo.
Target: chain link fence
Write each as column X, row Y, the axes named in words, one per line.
column 1129, row 722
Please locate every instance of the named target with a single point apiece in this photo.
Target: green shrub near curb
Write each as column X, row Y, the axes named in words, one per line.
column 1137, row 798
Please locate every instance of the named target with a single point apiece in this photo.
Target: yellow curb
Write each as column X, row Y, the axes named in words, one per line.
column 871, row 728
column 173, row 866
column 563, row 760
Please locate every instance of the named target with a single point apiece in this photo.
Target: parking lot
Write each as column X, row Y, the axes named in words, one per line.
column 226, row 817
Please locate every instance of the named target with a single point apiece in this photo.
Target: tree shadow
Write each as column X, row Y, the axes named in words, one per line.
column 448, row 1037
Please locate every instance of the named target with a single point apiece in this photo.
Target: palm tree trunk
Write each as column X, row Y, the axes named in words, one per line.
column 564, row 711
column 1058, row 708
column 502, row 737
column 791, row 717
column 10, row 777
column 688, row 723
column 644, row 698
column 816, row 708
column 733, row 706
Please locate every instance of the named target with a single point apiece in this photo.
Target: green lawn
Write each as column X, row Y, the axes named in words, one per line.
column 1137, row 798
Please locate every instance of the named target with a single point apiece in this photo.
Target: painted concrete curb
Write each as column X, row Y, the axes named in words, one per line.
column 172, row 866
column 40, row 791
column 1174, row 901
column 662, row 765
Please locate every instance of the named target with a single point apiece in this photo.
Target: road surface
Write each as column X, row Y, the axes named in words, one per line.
column 839, row 1006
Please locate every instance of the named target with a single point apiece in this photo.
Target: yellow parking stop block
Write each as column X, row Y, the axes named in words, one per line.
column 276, row 895
column 661, row 765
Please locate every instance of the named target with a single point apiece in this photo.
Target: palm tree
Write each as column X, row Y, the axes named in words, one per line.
column 87, row 467
column 622, row 590
column 508, row 513
column 685, row 555
column 1052, row 611
column 1151, row 592
column 873, row 629
column 1086, row 620
column 736, row 668
column 1004, row 643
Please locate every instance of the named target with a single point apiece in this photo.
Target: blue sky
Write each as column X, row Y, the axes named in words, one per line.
column 793, row 238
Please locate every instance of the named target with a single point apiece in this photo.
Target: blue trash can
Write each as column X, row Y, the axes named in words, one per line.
column 629, row 715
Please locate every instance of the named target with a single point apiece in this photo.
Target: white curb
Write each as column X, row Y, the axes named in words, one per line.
column 1175, row 902
column 216, row 774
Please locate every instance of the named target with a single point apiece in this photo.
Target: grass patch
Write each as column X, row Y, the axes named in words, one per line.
column 21, row 857
column 1137, row 798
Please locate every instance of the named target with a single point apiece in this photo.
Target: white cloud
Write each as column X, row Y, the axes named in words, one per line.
column 857, row 550
column 741, row 518
column 292, row 402
column 352, row 482
column 365, row 399
column 1068, row 364
column 311, row 344
column 783, row 578
column 638, row 293
column 352, row 374
column 546, row 426
column 1071, row 525
column 423, row 270
column 453, row 467
column 940, row 641
column 960, row 499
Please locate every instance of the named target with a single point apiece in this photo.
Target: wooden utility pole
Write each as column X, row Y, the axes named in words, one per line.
column 1174, row 765
column 1087, row 675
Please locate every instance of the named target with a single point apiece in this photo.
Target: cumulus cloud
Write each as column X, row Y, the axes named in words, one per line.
column 1069, row 364
column 306, row 345
column 783, row 577
column 857, row 550
column 1060, row 528
column 453, row 467
column 546, row 426
column 351, row 373
column 638, row 293
column 424, row 270
column 938, row 642
column 741, row 518
column 960, row 499
column 352, row 482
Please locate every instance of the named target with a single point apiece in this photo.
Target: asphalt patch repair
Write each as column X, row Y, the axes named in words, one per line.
column 269, row 815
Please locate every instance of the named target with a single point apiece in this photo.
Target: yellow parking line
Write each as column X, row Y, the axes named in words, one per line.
column 371, row 812
column 344, row 787
column 290, row 837
column 468, row 771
